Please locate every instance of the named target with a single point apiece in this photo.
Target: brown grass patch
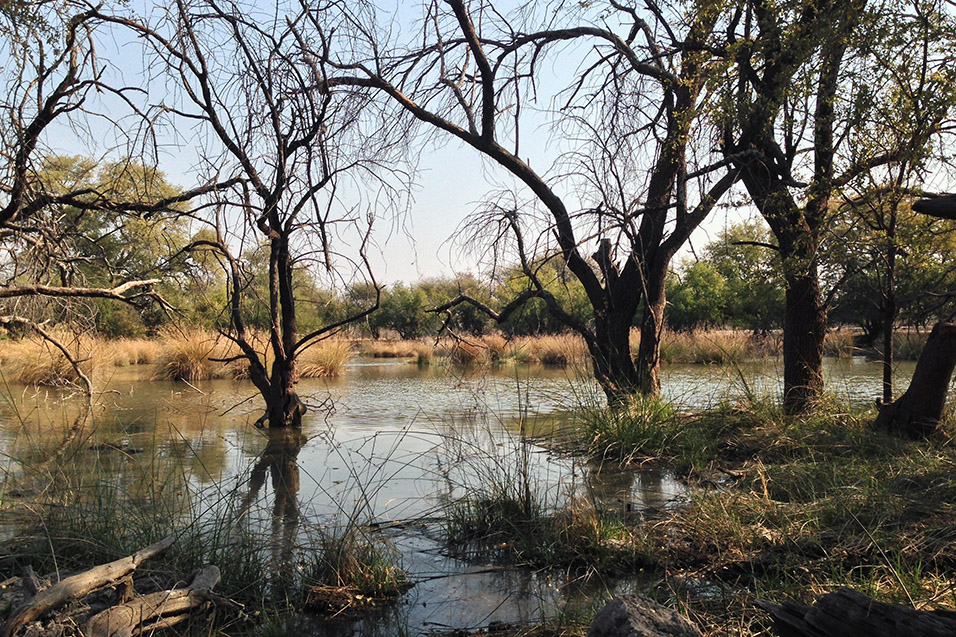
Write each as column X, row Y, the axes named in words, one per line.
column 325, row 358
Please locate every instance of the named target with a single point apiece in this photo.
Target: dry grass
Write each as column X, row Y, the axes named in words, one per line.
column 559, row 350
column 187, row 356
column 33, row 361
column 421, row 351
column 325, row 358
column 715, row 347
column 468, row 353
column 135, row 351
column 839, row 342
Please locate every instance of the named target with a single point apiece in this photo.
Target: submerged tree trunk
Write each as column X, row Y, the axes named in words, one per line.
column 916, row 414
column 804, row 330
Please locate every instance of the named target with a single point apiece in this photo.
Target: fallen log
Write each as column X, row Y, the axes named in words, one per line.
column 81, row 584
column 164, row 607
column 848, row 613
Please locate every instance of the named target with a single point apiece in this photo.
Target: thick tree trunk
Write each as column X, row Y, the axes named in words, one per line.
column 916, row 414
column 283, row 409
column 889, row 309
column 652, row 329
column 804, row 329
column 611, row 356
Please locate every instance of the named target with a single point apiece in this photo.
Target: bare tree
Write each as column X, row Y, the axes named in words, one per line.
column 51, row 76
column 627, row 193
column 303, row 164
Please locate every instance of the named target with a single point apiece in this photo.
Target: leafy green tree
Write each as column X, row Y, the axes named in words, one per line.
column 746, row 259
column 697, row 297
column 533, row 317
column 403, row 309
column 103, row 246
column 810, row 106
column 466, row 318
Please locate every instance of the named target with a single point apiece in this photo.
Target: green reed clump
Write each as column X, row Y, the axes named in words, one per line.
column 645, row 427
column 578, row 535
column 503, row 511
column 351, row 562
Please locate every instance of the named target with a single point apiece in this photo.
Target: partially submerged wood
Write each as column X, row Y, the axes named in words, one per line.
column 103, row 601
column 848, row 613
column 916, row 414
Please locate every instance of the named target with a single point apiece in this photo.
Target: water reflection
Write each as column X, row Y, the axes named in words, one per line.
column 279, row 461
column 400, row 441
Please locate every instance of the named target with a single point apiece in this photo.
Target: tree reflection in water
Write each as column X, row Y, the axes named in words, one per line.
column 279, row 460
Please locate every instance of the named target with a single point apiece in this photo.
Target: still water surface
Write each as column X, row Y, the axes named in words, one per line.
column 389, row 443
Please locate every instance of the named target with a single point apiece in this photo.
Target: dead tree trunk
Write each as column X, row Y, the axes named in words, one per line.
column 847, row 613
column 916, row 414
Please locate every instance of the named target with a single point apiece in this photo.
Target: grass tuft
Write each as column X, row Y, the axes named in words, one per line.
column 186, row 356
column 351, row 568
column 324, row 359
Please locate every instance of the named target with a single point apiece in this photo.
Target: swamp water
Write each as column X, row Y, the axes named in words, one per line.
column 385, row 446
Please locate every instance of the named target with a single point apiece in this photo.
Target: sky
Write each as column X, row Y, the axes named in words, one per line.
column 452, row 179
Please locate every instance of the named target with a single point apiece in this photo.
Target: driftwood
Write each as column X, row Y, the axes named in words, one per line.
column 80, row 585
column 917, row 412
column 164, row 608
column 848, row 613
column 127, row 613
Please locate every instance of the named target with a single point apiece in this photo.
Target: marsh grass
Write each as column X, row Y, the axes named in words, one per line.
column 325, row 358
column 34, row 361
column 97, row 506
column 839, row 343
column 558, row 350
column 720, row 347
column 503, row 507
column 795, row 507
column 135, row 351
column 187, row 355
column 352, row 567
column 416, row 349
column 578, row 535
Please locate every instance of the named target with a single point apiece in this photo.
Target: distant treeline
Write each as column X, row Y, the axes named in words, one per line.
column 734, row 281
